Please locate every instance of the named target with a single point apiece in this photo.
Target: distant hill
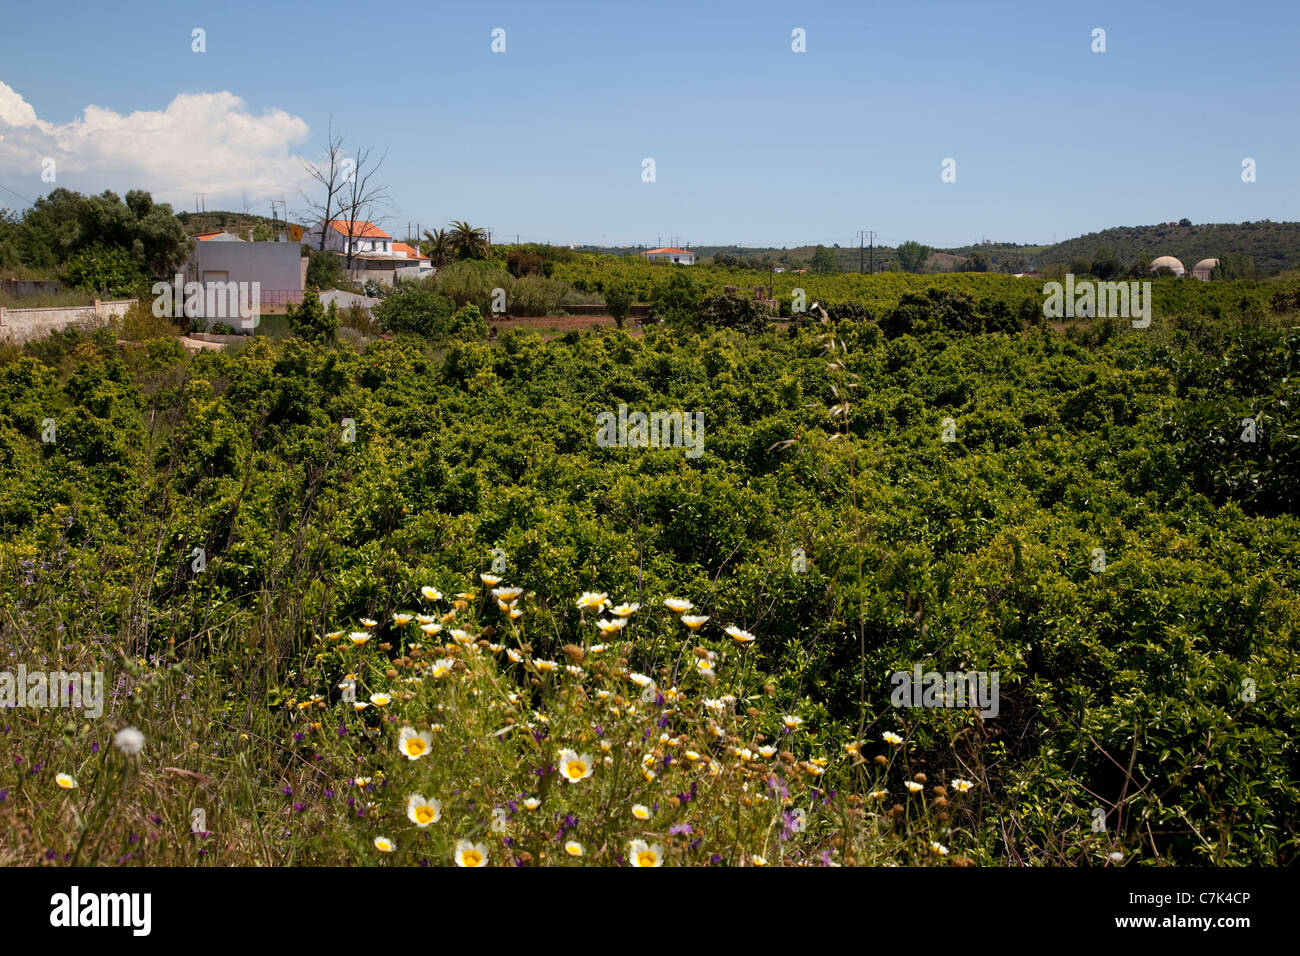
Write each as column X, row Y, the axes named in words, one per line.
column 238, row 223
column 1274, row 246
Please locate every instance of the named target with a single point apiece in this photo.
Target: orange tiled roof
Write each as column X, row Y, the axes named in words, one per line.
column 411, row 253
column 359, row 229
column 669, row 249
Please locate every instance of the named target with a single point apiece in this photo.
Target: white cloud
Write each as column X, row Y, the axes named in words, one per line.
column 202, row 142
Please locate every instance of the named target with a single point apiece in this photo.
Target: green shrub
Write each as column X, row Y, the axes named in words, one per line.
column 414, row 308
column 324, row 270
column 733, row 311
column 312, row 322
column 677, row 300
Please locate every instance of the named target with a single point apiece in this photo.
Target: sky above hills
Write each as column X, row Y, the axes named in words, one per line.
column 752, row 143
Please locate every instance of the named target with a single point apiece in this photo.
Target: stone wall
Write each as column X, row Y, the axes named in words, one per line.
column 22, row 325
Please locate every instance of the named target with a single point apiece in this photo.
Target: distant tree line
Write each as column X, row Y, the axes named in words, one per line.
column 101, row 244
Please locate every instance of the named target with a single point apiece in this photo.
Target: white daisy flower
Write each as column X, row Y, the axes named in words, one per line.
column 471, row 854
column 414, row 744
column 640, row 853
column 574, row 767
column 422, row 812
column 592, row 600
column 739, row 636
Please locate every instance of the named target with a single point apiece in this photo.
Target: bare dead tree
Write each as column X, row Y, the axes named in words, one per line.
column 360, row 199
column 332, row 177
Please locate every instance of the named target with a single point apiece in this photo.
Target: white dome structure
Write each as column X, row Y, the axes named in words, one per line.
column 1203, row 269
column 1168, row 262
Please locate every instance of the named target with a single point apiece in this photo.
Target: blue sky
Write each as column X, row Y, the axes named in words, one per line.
column 753, row 143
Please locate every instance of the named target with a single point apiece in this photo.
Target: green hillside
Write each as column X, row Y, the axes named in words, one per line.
column 1273, row 246
column 238, row 223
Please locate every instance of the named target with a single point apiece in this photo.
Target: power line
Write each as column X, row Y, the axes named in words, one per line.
column 30, row 202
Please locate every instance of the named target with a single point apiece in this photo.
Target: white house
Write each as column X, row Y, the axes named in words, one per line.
column 363, row 237
column 668, row 254
column 374, row 253
column 423, row 264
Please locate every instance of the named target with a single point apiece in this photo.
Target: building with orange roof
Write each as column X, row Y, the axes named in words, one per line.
column 368, row 252
column 683, row 257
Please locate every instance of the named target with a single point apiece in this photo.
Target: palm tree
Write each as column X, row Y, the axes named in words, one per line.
column 470, row 242
column 440, row 250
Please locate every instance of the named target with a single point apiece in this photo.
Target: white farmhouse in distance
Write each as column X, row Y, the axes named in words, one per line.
column 668, row 254
column 375, row 254
column 365, row 237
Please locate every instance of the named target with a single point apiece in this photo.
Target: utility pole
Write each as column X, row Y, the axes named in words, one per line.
column 871, row 249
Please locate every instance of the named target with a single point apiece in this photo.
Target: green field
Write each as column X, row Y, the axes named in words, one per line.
column 1079, row 514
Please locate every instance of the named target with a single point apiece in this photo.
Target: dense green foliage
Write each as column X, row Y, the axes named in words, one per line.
column 109, row 271
column 618, row 301
column 1122, row 688
column 876, row 294
column 413, row 308
column 912, row 255
column 89, row 239
column 324, row 270
column 677, row 299
column 311, row 321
